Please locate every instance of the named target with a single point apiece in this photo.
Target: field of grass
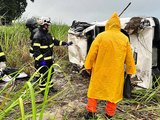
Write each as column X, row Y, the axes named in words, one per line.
column 15, row 42
column 21, row 100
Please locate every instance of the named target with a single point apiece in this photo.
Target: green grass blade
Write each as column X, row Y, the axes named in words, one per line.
column 5, row 112
column 33, row 100
column 46, row 93
column 21, row 108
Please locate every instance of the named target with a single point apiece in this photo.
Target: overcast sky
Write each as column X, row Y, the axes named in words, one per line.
column 65, row 11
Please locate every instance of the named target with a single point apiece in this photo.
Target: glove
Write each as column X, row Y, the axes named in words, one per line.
column 69, row 43
column 42, row 63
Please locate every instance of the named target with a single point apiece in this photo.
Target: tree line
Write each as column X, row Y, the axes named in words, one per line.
column 11, row 10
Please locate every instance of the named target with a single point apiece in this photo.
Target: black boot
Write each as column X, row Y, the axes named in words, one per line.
column 89, row 115
column 108, row 116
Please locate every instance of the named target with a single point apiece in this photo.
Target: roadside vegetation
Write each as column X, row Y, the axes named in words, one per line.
column 21, row 99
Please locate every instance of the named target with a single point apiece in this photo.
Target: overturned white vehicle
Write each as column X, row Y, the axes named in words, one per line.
column 144, row 34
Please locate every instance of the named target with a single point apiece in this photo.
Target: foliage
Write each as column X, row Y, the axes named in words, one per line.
column 11, row 9
column 25, row 94
column 15, row 43
column 60, row 32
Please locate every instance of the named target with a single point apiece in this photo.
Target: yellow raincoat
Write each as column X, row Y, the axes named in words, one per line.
column 106, row 58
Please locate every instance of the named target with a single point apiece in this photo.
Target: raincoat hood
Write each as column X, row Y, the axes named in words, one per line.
column 113, row 22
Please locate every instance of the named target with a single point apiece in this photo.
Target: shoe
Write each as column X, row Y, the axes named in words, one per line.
column 108, row 116
column 90, row 115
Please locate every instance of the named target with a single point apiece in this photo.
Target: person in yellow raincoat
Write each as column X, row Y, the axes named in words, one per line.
column 108, row 54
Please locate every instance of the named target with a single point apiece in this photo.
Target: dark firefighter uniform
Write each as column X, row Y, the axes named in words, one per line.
column 43, row 51
column 31, row 38
column 31, row 24
column 2, row 56
column 2, row 62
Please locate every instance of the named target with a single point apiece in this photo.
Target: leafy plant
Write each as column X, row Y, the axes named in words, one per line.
column 11, row 10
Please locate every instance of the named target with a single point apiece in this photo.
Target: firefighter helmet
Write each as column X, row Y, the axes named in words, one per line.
column 31, row 22
column 44, row 20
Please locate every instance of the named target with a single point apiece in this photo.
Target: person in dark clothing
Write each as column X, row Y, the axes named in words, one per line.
column 2, row 65
column 2, row 56
column 2, row 60
column 43, row 50
column 31, row 24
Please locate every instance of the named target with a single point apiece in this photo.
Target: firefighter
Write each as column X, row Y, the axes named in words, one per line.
column 108, row 54
column 31, row 24
column 2, row 63
column 2, row 60
column 43, row 50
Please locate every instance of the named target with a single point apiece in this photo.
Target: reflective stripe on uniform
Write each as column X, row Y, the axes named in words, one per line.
column 40, row 56
column 42, row 86
column 43, row 47
column 1, row 54
column 51, row 45
column 36, row 44
column 48, row 58
column 60, row 43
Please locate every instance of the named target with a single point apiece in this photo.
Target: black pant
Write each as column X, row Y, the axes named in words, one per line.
column 43, row 71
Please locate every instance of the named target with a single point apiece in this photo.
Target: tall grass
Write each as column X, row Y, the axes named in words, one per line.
column 144, row 104
column 15, row 43
column 60, row 32
column 25, row 94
